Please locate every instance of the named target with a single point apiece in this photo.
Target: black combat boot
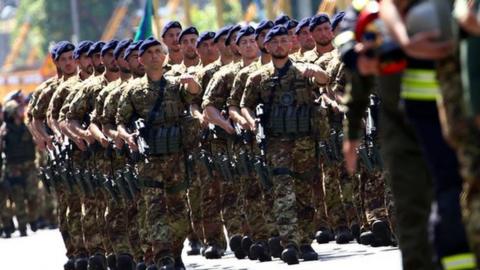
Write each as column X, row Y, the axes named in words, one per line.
column 290, row 255
column 23, row 231
column 381, row 234
column 125, row 261
column 112, row 262
column 246, row 244
column 179, row 265
column 343, row 235
column 235, row 244
column 366, row 238
column 275, row 247
column 166, row 263
column 307, row 253
column 81, row 262
column 324, row 235
column 97, row 262
column 261, row 251
column 141, row 266
column 194, row 247
column 213, row 251
column 355, row 229
column 69, row 265
column 33, row 226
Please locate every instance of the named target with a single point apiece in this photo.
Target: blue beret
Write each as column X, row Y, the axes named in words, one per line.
column 232, row 30
column 291, row 24
column 82, row 48
column 147, row 43
column 303, row 23
column 244, row 31
column 188, row 31
column 337, row 18
column 95, row 48
column 204, row 36
column 63, row 47
column 122, row 45
column 318, row 20
column 111, row 45
column 53, row 50
column 170, row 25
column 278, row 30
column 281, row 19
column 222, row 31
column 132, row 47
column 263, row 25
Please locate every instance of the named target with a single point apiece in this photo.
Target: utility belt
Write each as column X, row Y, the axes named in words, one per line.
column 164, row 140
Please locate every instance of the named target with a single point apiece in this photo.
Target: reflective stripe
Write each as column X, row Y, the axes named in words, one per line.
column 420, row 84
column 459, row 262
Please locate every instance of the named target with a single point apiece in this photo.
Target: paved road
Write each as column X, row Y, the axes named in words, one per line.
column 44, row 250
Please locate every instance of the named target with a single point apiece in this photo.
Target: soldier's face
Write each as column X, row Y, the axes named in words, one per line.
column 67, row 64
column 322, row 34
column 171, row 39
column 97, row 63
column 248, row 47
column 279, row 46
column 137, row 69
column 187, row 44
column 295, row 43
column 208, row 51
column 153, row 58
column 233, row 47
column 85, row 64
column 123, row 64
column 109, row 61
column 222, row 48
column 305, row 39
column 261, row 38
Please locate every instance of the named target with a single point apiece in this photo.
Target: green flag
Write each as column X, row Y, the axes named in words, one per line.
column 144, row 30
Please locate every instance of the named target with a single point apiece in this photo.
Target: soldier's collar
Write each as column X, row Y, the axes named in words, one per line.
column 283, row 71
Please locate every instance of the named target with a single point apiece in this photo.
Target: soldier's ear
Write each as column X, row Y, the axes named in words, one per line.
column 140, row 59
column 267, row 47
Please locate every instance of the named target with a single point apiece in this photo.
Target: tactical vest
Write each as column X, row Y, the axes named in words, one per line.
column 289, row 107
column 164, row 123
column 19, row 147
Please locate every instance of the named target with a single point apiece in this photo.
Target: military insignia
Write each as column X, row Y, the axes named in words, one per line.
column 287, row 98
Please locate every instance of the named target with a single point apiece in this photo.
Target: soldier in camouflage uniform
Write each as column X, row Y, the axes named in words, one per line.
column 158, row 100
column 187, row 40
column 81, row 124
column 113, row 169
column 136, row 233
column 338, row 185
column 170, row 33
column 74, row 203
column 203, row 174
column 291, row 25
column 304, row 38
column 223, row 148
column 285, row 76
column 63, row 58
column 18, row 168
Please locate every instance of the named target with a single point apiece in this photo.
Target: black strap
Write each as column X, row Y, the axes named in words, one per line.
column 158, row 102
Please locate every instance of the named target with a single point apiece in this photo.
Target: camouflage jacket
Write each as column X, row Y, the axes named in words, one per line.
column 139, row 98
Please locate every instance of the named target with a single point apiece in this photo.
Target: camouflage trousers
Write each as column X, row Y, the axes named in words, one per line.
column 166, row 217
column 321, row 217
column 372, row 196
column 94, row 206
column 462, row 133
column 116, row 215
column 231, row 195
column 260, row 223
column 294, row 212
column 339, row 196
column 204, row 198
